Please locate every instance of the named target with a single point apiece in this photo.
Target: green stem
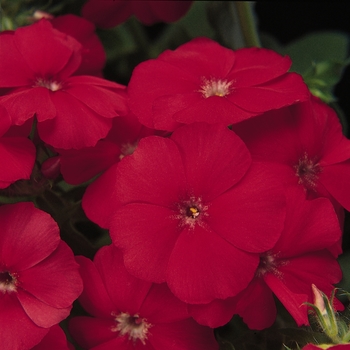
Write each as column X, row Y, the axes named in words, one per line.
column 247, row 23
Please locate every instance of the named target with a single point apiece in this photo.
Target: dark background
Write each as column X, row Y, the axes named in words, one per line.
column 288, row 21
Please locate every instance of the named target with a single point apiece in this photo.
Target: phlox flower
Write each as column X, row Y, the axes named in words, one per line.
column 37, row 70
column 202, row 81
column 186, row 212
column 39, row 278
column 288, row 270
column 17, row 153
column 305, row 146
column 108, row 14
column 128, row 313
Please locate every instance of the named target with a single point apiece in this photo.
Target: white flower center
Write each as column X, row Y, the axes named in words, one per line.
column 8, row 282
column 48, row 84
column 215, row 87
column 134, row 326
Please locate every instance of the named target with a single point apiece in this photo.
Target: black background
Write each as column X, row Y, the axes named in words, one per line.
column 288, row 21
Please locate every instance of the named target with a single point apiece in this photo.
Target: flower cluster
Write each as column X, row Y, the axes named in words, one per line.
column 221, row 180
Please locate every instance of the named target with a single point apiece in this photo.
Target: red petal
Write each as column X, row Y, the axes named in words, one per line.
column 40, row 313
column 59, row 284
column 161, row 306
column 304, row 232
column 215, row 314
column 24, row 104
column 90, row 332
column 106, row 14
column 75, row 126
column 274, row 94
column 203, row 267
column 254, row 66
column 54, row 340
column 17, row 330
column 293, row 302
column 182, row 335
column 94, row 298
column 153, row 79
column 17, row 156
column 78, row 166
column 147, row 234
column 210, row 110
column 335, row 178
column 46, row 50
column 93, row 54
column 259, row 192
column 100, row 200
column 126, row 291
column 256, row 305
column 28, row 235
column 209, row 171
column 152, row 174
column 105, row 98
column 14, row 70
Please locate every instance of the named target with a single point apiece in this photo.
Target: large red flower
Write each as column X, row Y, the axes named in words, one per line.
column 17, row 153
column 37, row 67
column 127, row 313
column 305, row 146
column 203, row 81
column 191, row 209
column 107, row 14
column 39, row 278
column 299, row 259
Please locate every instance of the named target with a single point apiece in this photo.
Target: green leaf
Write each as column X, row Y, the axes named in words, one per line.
column 315, row 48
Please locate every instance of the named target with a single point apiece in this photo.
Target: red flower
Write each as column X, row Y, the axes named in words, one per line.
column 107, row 14
column 131, row 313
column 93, row 54
column 37, row 63
column 81, row 165
column 186, row 212
column 17, row 154
column 305, row 146
column 203, row 81
column 39, row 278
column 55, row 339
column 299, row 259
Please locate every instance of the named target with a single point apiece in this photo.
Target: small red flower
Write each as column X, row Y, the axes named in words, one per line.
column 204, row 81
column 39, row 278
column 305, row 146
column 37, row 69
column 186, row 212
column 108, row 14
column 130, row 313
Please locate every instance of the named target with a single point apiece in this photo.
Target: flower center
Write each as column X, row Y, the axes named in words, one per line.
column 215, row 87
column 307, row 171
column 133, row 326
column 269, row 263
column 127, row 149
column 8, row 282
column 48, row 84
column 191, row 212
